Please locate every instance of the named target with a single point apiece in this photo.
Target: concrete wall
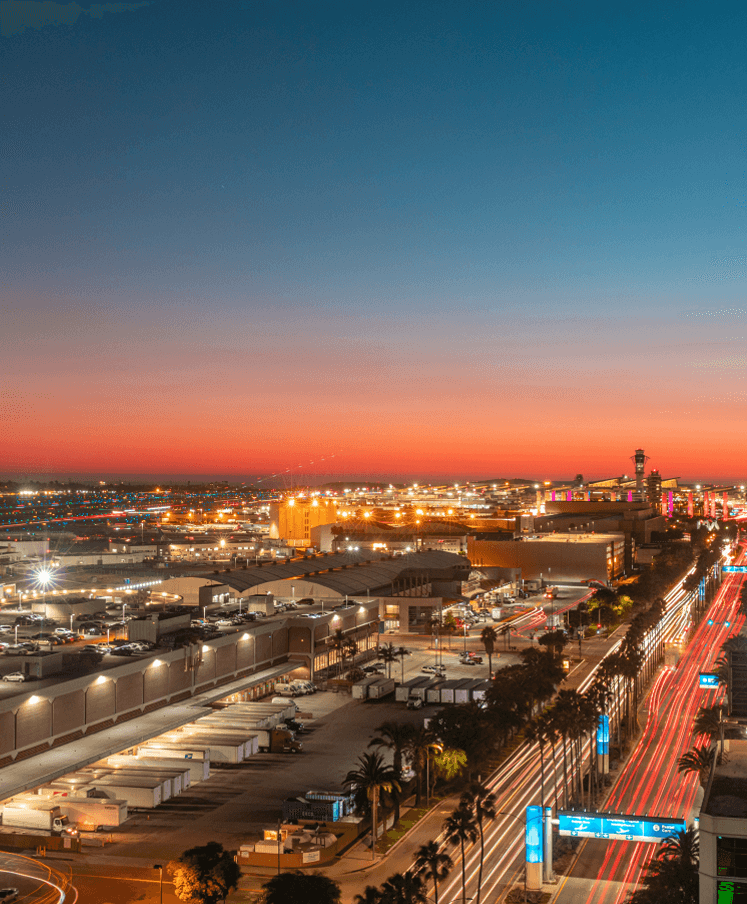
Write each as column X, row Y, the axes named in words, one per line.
column 88, row 703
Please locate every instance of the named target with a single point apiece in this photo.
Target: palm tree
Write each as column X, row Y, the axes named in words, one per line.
column 459, row 829
column 482, row 802
column 535, row 731
column 401, row 652
column 395, row 736
column 709, row 721
column 403, row 888
column 432, row 863
column 371, row 778
column 389, row 654
column 673, row 874
column 699, row 760
column 419, row 747
column 345, row 646
column 505, row 634
column 371, row 895
column 489, row 638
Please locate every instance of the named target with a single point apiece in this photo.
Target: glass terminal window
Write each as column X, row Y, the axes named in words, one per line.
column 731, row 857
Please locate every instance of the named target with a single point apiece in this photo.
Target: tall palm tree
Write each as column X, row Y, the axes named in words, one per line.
column 371, row 895
column 403, row 888
column 395, row 736
column 345, row 646
column 389, row 654
column 482, row 802
column 535, row 732
column 432, row 863
column 371, row 778
column 460, row 829
column 505, row 634
column 489, row 638
column 401, row 653
column 419, row 747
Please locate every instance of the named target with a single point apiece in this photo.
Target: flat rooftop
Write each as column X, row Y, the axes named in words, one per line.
column 727, row 792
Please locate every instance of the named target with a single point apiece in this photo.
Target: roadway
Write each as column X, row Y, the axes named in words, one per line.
column 606, row 872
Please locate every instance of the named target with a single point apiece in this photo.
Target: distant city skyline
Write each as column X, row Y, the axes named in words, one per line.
column 424, row 238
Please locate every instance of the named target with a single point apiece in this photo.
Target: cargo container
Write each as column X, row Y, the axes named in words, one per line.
column 95, row 812
column 433, row 691
column 224, row 747
column 242, row 729
column 138, row 795
column 134, row 779
column 179, row 749
column 479, row 689
column 447, row 690
column 462, row 690
column 195, row 770
column 420, row 691
column 178, row 768
column 381, row 688
column 360, row 688
column 402, row 691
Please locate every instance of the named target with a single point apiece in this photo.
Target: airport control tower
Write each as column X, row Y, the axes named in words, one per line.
column 640, row 458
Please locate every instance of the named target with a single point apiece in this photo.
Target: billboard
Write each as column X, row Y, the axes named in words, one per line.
column 614, row 827
column 707, row 680
column 734, row 569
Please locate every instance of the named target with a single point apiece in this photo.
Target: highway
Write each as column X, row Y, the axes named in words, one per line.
column 606, row 872
column 517, row 784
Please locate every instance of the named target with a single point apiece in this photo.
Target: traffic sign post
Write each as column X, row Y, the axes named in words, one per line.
column 706, row 680
column 618, row 827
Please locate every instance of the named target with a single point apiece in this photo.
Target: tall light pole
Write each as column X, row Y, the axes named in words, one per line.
column 159, row 867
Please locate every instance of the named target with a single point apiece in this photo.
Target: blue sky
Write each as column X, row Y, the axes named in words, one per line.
column 425, row 194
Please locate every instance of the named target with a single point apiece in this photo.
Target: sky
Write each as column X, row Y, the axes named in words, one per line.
column 374, row 239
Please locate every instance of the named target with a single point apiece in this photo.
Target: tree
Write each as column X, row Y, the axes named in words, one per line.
column 403, row 888
column 301, row 888
column 204, row 875
column 709, row 721
column 371, row 895
column 371, row 778
column 449, row 762
column 699, row 760
column 433, row 863
column 345, row 646
column 489, row 637
column 388, row 654
column 482, row 803
column 555, row 641
column 459, row 829
column 401, row 652
column 396, row 736
column 672, row 875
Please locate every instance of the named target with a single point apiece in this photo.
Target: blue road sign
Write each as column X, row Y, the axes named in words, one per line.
column 533, row 836
column 618, row 827
column 708, row 680
column 735, row 569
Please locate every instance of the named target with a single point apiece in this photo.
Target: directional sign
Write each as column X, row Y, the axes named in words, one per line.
column 708, row 680
column 618, row 827
column 735, row 569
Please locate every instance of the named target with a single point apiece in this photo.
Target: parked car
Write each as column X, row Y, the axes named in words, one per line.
column 434, row 669
column 8, row 894
column 6, row 629
column 15, row 676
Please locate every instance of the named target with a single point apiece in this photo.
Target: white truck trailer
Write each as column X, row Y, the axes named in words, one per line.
column 180, row 749
column 37, row 819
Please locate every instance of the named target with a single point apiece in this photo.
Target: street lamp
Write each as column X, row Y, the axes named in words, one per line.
column 159, row 867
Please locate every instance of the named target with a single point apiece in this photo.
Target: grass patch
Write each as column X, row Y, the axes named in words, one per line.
column 401, row 828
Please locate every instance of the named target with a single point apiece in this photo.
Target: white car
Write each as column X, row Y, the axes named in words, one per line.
column 8, row 894
column 14, row 676
column 6, row 629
